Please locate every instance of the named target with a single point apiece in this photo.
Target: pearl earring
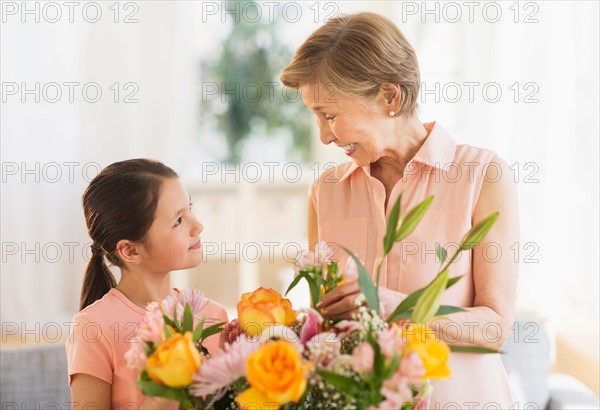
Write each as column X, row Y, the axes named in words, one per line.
column 392, row 113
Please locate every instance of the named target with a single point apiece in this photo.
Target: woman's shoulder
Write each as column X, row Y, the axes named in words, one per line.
column 336, row 172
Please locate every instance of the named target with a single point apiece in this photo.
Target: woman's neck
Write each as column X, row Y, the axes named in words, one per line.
column 142, row 288
column 405, row 142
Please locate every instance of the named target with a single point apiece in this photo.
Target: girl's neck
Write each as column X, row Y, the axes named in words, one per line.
column 142, row 289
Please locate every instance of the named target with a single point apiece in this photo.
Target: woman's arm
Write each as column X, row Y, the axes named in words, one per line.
column 488, row 322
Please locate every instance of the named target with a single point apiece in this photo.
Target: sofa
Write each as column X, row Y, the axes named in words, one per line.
column 35, row 377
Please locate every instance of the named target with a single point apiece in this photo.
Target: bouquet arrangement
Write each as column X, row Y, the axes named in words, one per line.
column 295, row 359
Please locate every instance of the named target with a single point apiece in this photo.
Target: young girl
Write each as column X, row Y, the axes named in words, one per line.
column 139, row 217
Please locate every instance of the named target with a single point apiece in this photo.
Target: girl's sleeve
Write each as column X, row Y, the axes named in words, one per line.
column 88, row 350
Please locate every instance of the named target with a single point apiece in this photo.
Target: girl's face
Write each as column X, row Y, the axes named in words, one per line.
column 358, row 126
column 173, row 241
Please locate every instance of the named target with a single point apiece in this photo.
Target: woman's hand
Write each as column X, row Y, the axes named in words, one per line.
column 232, row 331
column 340, row 303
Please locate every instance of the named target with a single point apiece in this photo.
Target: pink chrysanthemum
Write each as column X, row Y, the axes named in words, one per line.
column 224, row 368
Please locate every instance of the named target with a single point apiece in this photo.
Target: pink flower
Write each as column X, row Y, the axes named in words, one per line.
column 151, row 327
column 322, row 254
column 311, row 326
column 345, row 327
column 396, row 391
column 362, row 358
column 136, row 356
column 411, row 366
column 176, row 304
column 391, row 341
column 324, row 348
column 224, row 368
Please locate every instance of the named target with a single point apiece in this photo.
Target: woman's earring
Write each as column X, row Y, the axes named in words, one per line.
column 392, row 113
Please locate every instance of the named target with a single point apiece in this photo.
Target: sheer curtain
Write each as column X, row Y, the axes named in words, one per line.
column 551, row 143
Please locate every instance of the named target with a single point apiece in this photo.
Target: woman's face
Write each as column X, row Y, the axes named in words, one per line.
column 360, row 126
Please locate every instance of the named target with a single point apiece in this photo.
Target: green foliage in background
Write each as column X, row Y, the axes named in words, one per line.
column 251, row 59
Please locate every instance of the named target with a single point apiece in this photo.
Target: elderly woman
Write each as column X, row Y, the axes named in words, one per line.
column 360, row 77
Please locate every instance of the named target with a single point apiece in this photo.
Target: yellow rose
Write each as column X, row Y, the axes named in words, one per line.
column 175, row 361
column 433, row 352
column 276, row 377
column 263, row 308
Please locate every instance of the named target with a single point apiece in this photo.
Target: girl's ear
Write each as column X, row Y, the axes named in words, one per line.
column 129, row 252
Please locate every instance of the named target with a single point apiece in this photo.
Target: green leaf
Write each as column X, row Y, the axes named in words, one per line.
column 150, row 388
column 168, row 333
column 407, row 304
column 378, row 359
column 447, row 309
column 412, row 218
column 315, row 289
column 472, row 349
column 188, row 319
column 441, row 253
column 478, row 232
column 175, row 320
column 392, row 224
column 367, row 286
column 170, row 322
column 294, row 283
column 198, row 331
column 213, row 330
column 443, row 310
column 392, row 367
column 344, row 383
column 429, row 301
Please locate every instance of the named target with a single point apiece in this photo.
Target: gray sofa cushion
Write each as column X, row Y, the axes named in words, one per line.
column 526, row 360
column 34, row 377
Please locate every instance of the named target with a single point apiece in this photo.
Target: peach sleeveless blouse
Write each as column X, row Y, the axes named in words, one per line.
column 350, row 211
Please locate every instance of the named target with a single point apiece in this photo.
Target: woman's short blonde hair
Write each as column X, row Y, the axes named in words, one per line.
column 356, row 54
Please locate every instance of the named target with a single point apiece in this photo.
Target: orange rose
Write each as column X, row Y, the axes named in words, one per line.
column 433, row 352
column 175, row 361
column 263, row 308
column 276, row 377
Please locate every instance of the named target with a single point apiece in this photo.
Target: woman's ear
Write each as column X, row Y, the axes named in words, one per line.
column 392, row 95
column 129, row 252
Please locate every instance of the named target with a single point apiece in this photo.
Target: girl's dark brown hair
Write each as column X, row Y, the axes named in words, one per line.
column 120, row 203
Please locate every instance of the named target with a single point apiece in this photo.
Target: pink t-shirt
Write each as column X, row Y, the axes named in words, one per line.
column 349, row 203
column 103, row 332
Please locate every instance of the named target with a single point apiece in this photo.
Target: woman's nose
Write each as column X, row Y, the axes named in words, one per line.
column 325, row 134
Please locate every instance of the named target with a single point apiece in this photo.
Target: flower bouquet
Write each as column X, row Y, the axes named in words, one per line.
column 295, row 359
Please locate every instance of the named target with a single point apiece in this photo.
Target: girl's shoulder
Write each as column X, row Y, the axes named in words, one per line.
column 112, row 308
column 214, row 310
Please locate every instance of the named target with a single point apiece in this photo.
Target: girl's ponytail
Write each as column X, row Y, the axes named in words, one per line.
column 97, row 281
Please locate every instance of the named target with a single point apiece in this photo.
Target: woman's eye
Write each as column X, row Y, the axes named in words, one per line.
column 330, row 118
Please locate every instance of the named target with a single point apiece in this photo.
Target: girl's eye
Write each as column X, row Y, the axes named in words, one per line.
column 179, row 220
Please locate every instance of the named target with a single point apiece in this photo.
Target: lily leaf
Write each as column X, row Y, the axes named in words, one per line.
column 412, row 218
column 293, row 284
column 390, row 234
column 478, row 232
column 429, row 301
column 408, row 303
column 367, row 286
column 188, row 319
column 443, row 310
column 473, row 349
column 441, row 253
column 198, row 331
column 344, row 383
column 150, row 388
